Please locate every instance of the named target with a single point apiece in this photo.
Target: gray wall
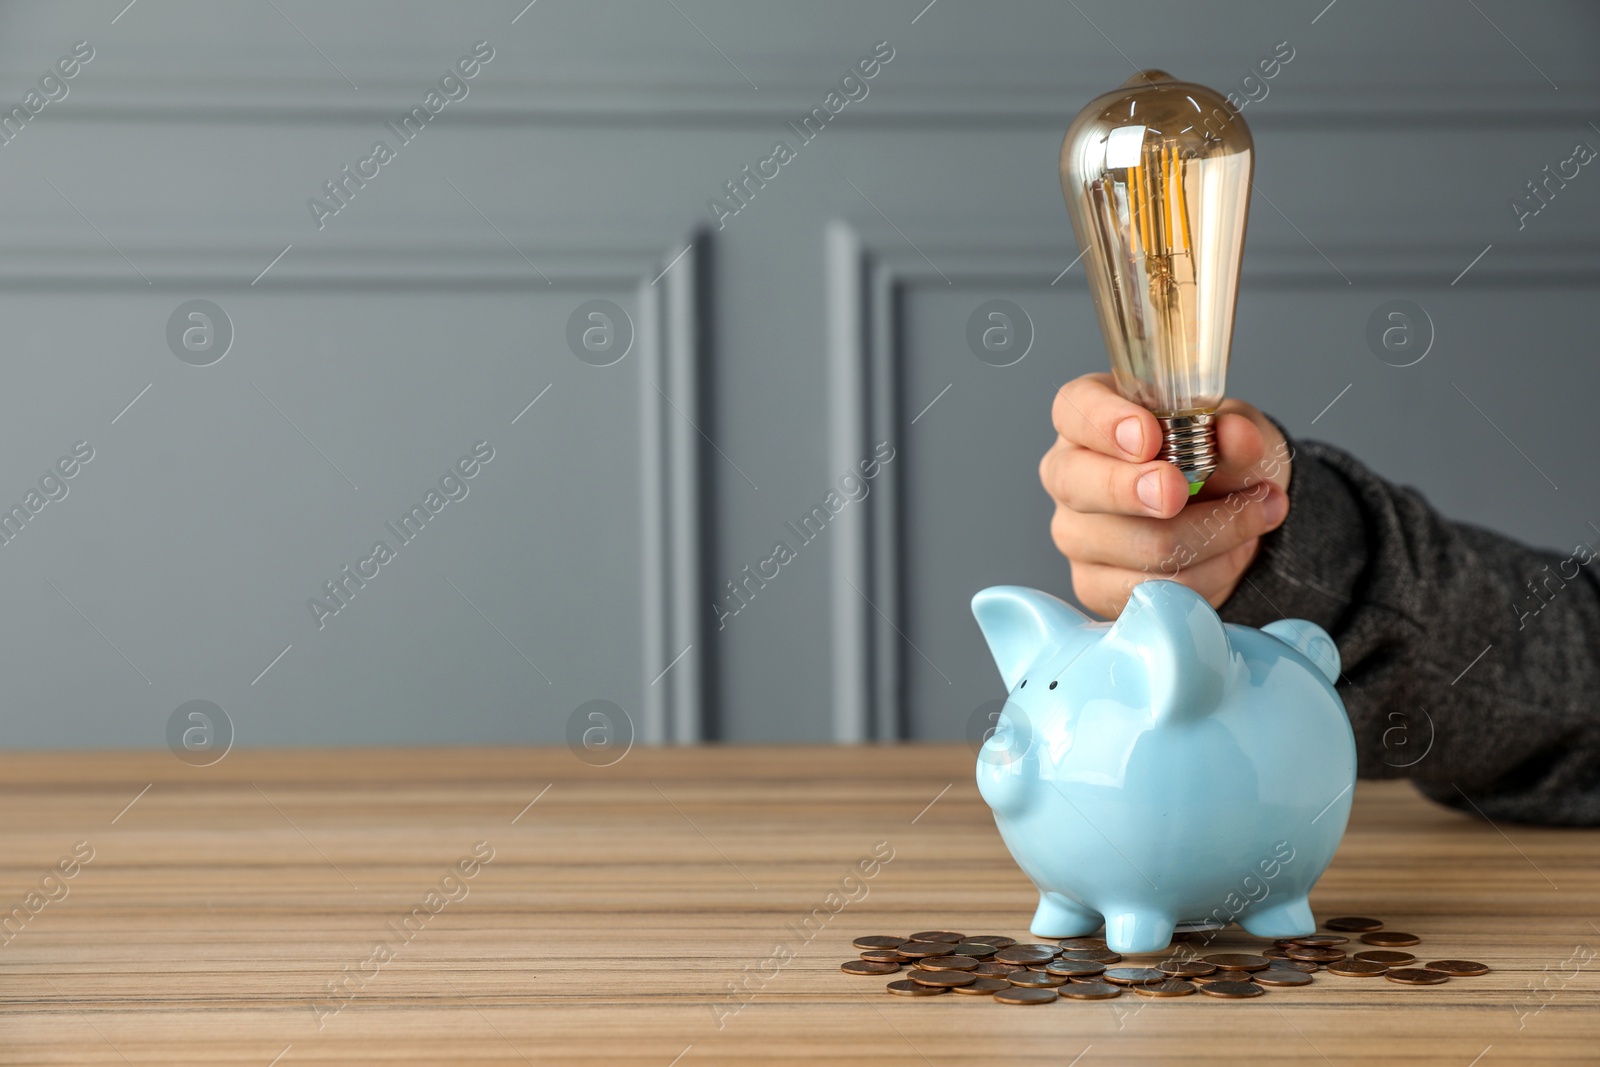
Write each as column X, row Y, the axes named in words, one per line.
column 766, row 362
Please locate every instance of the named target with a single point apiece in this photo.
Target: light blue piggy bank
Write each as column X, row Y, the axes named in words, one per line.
column 1166, row 768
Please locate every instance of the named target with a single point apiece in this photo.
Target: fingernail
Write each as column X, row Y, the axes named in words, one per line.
column 1130, row 437
column 1149, row 486
column 1276, row 508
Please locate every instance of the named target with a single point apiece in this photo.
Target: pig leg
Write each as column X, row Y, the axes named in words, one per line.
column 1139, row 931
column 1288, row 919
column 1059, row 917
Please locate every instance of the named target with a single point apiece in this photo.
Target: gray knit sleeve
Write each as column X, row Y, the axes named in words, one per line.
column 1471, row 662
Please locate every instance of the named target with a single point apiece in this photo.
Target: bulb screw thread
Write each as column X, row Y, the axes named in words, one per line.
column 1189, row 442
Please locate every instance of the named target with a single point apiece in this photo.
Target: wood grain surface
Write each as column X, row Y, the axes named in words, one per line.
column 275, row 908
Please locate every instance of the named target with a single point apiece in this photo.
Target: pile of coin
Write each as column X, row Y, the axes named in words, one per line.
column 1082, row 968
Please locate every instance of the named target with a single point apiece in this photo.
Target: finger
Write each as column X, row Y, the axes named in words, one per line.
column 1251, row 450
column 1091, row 483
column 1105, row 590
column 1089, row 412
column 1163, row 548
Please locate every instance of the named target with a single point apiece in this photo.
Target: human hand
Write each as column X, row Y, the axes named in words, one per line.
column 1123, row 518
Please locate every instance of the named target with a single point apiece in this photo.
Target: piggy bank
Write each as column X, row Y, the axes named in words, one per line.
column 1166, row 770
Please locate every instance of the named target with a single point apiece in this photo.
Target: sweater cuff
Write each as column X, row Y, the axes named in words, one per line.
column 1310, row 567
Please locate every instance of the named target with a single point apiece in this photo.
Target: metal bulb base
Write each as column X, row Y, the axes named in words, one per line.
column 1189, row 442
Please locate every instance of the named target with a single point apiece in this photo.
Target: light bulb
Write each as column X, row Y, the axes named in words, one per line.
column 1157, row 179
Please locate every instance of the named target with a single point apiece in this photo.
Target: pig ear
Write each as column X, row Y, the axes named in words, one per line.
column 1019, row 623
column 1311, row 641
column 1181, row 642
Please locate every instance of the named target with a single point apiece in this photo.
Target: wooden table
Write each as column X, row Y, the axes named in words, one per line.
column 223, row 905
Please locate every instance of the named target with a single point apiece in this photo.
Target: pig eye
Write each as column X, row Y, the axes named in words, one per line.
column 1052, row 685
column 1024, row 684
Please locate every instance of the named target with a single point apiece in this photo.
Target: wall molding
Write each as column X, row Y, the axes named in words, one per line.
column 674, row 337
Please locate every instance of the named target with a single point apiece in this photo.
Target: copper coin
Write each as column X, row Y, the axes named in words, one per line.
column 945, row 979
column 983, row 986
column 1135, row 975
column 881, row 955
column 1281, row 976
column 997, row 940
column 1231, row 990
column 1457, row 968
column 1171, row 987
column 1075, row 968
column 1025, row 996
column 1091, row 991
column 1186, row 968
column 1239, row 961
column 913, row 989
column 978, row 950
column 1303, row 966
column 1098, row 955
column 1353, row 924
column 948, row 963
column 1388, row 959
column 1357, row 969
column 868, row 967
column 949, row 937
column 1026, row 954
column 1037, row 979
column 1276, row 952
column 1416, row 976
column 1314, row 940
column 1391, row 939
column 878, row 941
column 1082, row 942
column 996, row 970
column 921, row 950
column 1314, row 954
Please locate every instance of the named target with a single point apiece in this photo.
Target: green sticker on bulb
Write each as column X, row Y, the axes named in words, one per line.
column 1194, row 487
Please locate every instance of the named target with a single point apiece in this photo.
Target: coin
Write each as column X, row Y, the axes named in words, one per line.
column 919, row 950
column 1416, row 976
column 868, row 967
column 1357, row 968
column 1232, row 990
column 1392, row 939
column 913, row 989
column 976, row 949
column 1135, row 975
column 878, row 941
column 1037, row 979
column 1281, row 976
column 1186, row 968
column 983, row 986
column 1171, row 987
column 1314, row 954
column 1082, row 942
column 996, row 970
column 1091, row 991
column 1025, row 996
column 1276, row 952
column 1314, row 940
column 881, row 955
column 948, row 963
column 997, row 940
column 1239, row 961
column 1075, row 968
column 1304, row 966
column 1355, row 924
column 1026, row 954
column 942, row 978
column 1388, row 959
column 1457, row 968
column 1098, row 955
column 949, row 937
